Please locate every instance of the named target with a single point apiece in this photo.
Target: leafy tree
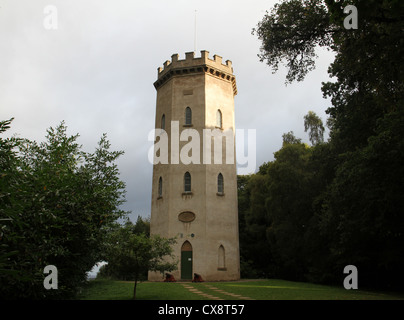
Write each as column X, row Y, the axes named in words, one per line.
column 8, row 168
column 359, row 209
column 243, row 196
column 314, row 125
column 288, row 206
column 256, row 247
column 115, row 270
column 365, row 208
column 279, row 228
column 369, row 79
column 276, row 207
column 57, row 206
column 289, row 138
column 291, row 33
column 142, row 226
column 133, row 254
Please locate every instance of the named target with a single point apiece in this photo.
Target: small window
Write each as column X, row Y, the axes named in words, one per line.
column 188, row 116
column 160, row 187
column 163, row 122
column 221, row 259
column 187, row 182
column 220, row 187
column 219, row 119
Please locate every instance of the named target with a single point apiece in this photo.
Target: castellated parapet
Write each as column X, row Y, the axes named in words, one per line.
column 192, row 65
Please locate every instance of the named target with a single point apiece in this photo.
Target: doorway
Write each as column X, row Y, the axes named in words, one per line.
column 186, row 261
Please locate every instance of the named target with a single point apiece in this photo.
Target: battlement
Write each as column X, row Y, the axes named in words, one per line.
column 191, row 61
column 191, row 65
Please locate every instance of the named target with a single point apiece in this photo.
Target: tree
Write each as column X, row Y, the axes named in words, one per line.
column 142, row 226
column 114, row 269
column 289, row 138
column 254, row 246
column 367, row 65
column 277, row 214
column 57, row 205
column 288, row 203
column 8, row 166
column 359, row 209
column 365, row 208
column 314, row 125
column 291, row 32
column 133, row 254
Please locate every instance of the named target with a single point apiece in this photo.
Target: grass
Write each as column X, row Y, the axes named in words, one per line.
column 272, row 289
column 288, row 290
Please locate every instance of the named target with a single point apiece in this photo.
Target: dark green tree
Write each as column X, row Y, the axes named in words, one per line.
column 314, row 125
column 291, row 33
column 289, row 138
column 359, row 209
column 9, row 176
column 57, row 204
column 253, row 243
column 288, row 203
column 142, row 226
column 132, row 255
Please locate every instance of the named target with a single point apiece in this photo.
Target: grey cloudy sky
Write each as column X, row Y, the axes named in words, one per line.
column 96, row 72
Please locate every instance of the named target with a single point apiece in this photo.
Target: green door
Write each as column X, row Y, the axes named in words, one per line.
column 186, row 261
column 186, row 265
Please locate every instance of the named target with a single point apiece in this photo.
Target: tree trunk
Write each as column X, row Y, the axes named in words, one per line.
column 134, row 289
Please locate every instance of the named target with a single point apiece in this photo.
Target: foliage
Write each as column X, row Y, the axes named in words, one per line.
column 142, row 226
column 57, row 204
column 289, row 138
column 114, row 269
column 365, row 206
column 291, row 32
column 278, row 217
column 314, row 125
column 252, row 221
column 349, row 189
column 131, row 254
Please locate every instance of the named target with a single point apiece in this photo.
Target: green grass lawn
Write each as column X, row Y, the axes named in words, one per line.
column 123, row 290
column 255, row 289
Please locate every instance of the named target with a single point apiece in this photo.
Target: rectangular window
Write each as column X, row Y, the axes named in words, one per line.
column 187, row 182
column 220, row 184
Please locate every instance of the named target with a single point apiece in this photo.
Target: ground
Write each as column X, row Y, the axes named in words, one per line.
column 271, row 289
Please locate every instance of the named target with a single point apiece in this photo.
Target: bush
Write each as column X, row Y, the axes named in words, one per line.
column 56, row 205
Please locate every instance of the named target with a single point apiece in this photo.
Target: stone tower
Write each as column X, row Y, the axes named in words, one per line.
column 194, row 190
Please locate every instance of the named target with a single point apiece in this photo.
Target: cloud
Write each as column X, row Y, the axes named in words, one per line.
column 96, row 72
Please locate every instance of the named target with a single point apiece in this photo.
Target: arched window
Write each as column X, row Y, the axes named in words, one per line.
column 220, row 184
column 187, row 182
column 163, row 122
column 221, row 265
column 188, row 116
column 160, row 187
column 219, row 119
